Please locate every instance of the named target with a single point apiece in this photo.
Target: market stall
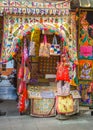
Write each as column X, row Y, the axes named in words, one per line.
column 46, row 38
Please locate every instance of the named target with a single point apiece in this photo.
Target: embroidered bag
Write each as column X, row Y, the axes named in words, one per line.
column 55, row 48
column 63, row 90
column 44, row 50
column 65, row 104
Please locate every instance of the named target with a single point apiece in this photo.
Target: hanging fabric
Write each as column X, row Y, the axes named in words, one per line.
column 25, row 50
column 31, row 47
column 55, row 47
column 63, row 67
column 62, row 72
column 26, row 74
column 21, row 68
column 64, row 105
column 23, row 100
column 21, row 87
column 44, row 50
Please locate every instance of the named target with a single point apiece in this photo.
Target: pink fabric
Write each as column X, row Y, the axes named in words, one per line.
column 86, row 51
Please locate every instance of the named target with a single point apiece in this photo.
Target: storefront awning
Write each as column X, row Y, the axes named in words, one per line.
column 82, row 3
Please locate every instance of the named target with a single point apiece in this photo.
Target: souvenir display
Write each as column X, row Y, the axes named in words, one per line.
column 45, row 36
column 48, row 65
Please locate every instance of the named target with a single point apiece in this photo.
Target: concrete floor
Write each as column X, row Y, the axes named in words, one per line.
column 80, row 122
column 13, row 121
column 10, row 107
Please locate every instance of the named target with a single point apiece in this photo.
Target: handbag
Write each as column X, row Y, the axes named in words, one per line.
column 63, row 90
column 64, row 105
column 55, row 48
column 44, row 50
column 31, row 47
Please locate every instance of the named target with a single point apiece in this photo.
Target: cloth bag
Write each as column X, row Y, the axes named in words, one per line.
column 55, row 48
column 31, row 47
column 63, row 90
column 64, row 105
column 44, row 50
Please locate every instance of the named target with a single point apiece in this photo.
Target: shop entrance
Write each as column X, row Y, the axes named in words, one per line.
column 8, row 88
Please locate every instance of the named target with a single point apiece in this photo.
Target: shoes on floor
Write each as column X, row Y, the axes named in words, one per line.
column 2, row 113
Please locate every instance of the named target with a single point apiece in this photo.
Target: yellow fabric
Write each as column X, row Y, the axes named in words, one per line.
column 65, row 104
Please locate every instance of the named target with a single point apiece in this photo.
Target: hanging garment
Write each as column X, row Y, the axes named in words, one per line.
column 21, row 87
column 55, row 48
column 62, row 72
column 31, row 47
column 23, row 100
column 21, row 72
column 44, row 50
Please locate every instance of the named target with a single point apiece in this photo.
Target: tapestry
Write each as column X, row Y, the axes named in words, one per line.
column 86, row 96
column 85, row 36
column 64, row 105
column 85, row 69
column 43, row 107
column 72, row 43
column 36, row 91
